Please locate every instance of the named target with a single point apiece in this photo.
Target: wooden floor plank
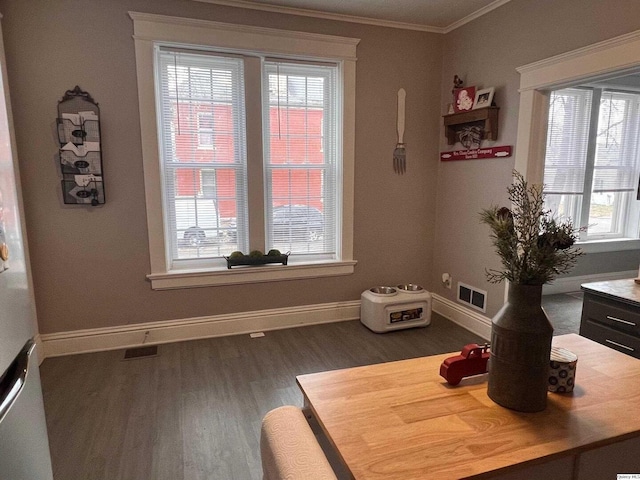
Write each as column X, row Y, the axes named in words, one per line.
column 194, row 410
column 168, row 452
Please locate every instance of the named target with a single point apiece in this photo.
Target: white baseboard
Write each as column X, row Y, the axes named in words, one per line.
column 39, row 348
column 572, row 284
column 127, row 336
column 481, row 325
column 465, row 317
column 153, row 333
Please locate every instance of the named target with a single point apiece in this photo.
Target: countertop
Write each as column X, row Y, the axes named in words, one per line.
column 400, row 420
column 625, row 290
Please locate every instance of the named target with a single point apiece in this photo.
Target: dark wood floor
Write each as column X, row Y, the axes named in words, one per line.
column 564, row 310
column 194, row 410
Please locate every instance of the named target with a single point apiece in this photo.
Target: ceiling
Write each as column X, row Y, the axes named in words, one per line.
column 439, row 16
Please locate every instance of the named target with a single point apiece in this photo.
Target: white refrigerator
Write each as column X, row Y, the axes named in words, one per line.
column 24, row 445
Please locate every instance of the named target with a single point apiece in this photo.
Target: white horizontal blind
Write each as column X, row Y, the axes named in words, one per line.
column 301, row 124
column 618, row 137
column 592, row 160
column 567, row 141
column 203, row 154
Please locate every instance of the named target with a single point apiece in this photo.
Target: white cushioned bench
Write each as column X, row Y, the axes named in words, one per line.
column 289, row 449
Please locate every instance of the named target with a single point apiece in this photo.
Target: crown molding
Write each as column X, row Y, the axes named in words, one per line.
column 304, row 12
column 477, row 14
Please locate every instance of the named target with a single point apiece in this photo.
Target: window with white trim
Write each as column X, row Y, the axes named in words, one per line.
column 592, row 161
column 205, row 191
column 301, row 156
column 247, row 145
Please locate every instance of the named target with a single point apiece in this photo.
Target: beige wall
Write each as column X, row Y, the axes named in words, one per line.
column 486, row 53
column 89, row 264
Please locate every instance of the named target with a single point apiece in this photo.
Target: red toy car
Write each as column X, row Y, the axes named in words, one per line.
column 472, row 361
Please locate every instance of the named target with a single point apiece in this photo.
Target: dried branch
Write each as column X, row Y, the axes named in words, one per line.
column 534, row 248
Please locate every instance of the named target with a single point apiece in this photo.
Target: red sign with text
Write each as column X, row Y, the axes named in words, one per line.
column 476, row 153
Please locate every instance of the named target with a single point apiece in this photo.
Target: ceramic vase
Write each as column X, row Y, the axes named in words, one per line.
column 520, row 349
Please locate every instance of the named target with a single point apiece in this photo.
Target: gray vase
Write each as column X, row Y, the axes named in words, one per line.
column 520, row 349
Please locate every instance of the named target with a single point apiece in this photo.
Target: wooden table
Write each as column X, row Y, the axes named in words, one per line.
column 401, row 420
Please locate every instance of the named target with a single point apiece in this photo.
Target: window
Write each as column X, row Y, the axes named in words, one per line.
column 592, row 161
column 204, row 190
column 247, row 145
column 610, row 59
column 300, row 117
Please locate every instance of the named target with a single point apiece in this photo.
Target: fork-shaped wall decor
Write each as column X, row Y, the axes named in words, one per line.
column 400, row 154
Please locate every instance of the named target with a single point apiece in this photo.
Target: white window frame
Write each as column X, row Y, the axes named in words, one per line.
column 330, row 162
column 600, row 61
column 151, row 30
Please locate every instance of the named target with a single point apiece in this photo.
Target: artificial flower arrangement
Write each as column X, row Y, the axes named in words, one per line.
column 534, row 247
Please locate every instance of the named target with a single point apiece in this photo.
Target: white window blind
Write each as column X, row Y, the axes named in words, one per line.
column 567, row 141
column 592, row 161
column 616, row 160
column 203, row 154
column 300, row 109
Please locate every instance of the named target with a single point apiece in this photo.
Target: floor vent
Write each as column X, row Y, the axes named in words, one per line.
column 472, row 296
column 141, row 352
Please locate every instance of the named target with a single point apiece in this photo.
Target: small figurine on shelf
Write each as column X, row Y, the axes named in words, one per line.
column 457, row 85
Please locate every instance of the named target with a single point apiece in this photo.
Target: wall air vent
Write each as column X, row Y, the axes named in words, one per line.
column 472, row 296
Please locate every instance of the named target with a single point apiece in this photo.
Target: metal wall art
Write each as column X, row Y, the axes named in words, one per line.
column 80, row 152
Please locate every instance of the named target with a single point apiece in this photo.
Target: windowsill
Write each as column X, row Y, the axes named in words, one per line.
column 251, row 274
column 616, row 245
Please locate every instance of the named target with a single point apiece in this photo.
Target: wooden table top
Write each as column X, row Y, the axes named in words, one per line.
column 401, row 420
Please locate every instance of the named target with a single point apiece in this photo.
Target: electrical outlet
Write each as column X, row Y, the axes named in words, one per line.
column 446, row 280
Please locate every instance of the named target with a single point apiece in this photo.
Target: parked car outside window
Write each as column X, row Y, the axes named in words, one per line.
column 297, row 222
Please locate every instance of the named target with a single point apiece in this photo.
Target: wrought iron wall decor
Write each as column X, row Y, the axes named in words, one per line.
column 80, row 149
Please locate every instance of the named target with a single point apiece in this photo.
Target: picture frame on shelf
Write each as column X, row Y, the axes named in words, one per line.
column 483, row 98
column 464, row 99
